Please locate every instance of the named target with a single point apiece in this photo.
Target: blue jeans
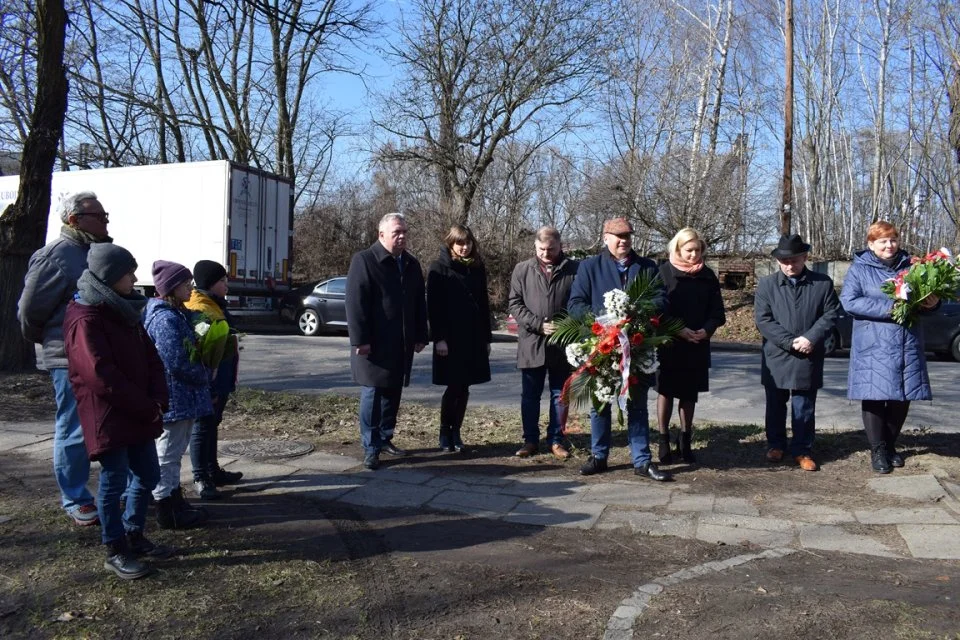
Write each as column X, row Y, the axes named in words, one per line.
column 71, row 465
column 131, row 471
column 203, row 442
column 378, row 416
column 803, row 405
column 638, row 429
column 531, row 385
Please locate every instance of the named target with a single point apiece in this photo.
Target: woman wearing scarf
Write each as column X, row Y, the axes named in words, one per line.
column 459, row 315
column 693, row 295
column 118, row 380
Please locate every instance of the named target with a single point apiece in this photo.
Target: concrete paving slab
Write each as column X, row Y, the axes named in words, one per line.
column 925, row 488
column 631, row 494
column 681, row 525
column 556, row 513
column 487, row 480
column 10, row 440
column 455, row 485
column 544, row 488
column 691, row 502
column 481, row 504
column 385, row 494
column 893, row 515
column 815, row 514
column 261, row 477
column 833, row 538
column 715, row 534
column 940, row 541
column 325, row 486
column 396, row 475
column 747, row 522
column 322, row 461
column 737, row 506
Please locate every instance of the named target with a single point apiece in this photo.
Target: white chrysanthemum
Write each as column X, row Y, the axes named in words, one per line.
column 576, row 354
column 649, row 362
column 605, row 394
column 202, row 328
column 616, row 303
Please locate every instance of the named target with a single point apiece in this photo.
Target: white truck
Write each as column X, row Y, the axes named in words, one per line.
column 239, row 216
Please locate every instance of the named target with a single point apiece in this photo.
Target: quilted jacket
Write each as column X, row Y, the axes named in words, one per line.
column 886, row 359
column 187, row 381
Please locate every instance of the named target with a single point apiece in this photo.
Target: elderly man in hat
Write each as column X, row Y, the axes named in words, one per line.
column 615, row 266
column 795, row 310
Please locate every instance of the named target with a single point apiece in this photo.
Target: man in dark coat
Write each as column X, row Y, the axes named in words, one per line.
column 539, row 290
column 795, row 310
column 617, row 265
column 387, row 322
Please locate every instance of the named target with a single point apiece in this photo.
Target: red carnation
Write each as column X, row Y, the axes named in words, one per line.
column 604, row 347
column 597, row 329
column 636, row 339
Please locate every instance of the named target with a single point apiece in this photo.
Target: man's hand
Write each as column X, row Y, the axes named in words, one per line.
column 418, row 347
column 802, row 345
column 548, row 328
column 929, row 302
column 440, row 348
column 688, row 334
column 363, row 349
column 700, row 335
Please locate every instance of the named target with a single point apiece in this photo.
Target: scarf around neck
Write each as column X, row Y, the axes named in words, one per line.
column 686, row 267
column 82, row 237
column 93, row 292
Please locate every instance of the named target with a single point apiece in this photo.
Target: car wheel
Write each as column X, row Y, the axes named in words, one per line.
column 831, row 343
column 955, row 347
column 309, row 322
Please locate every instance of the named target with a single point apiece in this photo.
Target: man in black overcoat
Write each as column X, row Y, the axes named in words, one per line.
column 387, row 322
column 795, row 310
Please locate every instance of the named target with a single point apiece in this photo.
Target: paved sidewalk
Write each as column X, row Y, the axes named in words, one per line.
column 924, row 524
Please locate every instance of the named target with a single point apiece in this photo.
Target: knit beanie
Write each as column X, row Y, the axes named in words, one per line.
column 167, row 276
column 109, row 262
column 206, row 273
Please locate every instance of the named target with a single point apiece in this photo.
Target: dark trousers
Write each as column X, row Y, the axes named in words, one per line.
column 453, row 405
column 803, row 406
column 130, row 472
column 531, row 388
column 883, row 420
column 378, row 416
column 203, row 442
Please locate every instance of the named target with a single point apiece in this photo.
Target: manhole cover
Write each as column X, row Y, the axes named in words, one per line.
column 264, row 449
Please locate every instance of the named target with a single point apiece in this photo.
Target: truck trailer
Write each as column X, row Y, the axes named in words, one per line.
column 218, row 210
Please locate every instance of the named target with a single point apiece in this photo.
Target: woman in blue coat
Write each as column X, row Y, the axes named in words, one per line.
column 888, row 368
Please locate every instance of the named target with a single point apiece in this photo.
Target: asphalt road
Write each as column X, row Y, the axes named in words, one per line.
column 322, row 364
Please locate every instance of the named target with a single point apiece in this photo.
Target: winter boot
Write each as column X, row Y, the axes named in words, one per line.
column 878, row 458
column 174, row 512
column 663, row 449
column 446, row 439
column 686, row 453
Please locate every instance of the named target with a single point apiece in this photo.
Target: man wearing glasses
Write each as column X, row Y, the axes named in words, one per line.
column 49, row 285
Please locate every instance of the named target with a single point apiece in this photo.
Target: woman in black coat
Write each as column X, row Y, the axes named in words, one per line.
column 693, row 295
column 459, row 315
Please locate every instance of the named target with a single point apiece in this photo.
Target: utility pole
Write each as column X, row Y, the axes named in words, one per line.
column 787, row 122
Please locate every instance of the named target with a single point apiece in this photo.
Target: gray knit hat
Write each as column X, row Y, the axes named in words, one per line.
column 109, row 262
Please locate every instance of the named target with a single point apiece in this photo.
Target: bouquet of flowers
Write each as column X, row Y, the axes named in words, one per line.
column 935, row 274
column 210, row 341
column 611, row 351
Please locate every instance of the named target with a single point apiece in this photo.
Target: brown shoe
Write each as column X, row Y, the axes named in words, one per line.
column 774, row 455
column 527, row 450
column 559, row 451
column 806, row 463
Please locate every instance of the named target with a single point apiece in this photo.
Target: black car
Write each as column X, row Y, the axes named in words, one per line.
column 317, row 307
column 941, row 331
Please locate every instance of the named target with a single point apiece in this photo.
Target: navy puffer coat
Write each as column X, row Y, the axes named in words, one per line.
column 886, row 359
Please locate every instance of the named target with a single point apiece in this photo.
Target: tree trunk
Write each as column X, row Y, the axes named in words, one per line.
column 23, row 228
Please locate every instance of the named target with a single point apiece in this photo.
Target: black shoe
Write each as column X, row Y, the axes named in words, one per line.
column 207, row 490
column 372, row 461
column 140, row 546
column 121, row 561
column 650, row 470
column 664, row 454
column 222, row 477
column 894, row 457
column 446, row 440
column 593, row 466
column 878, row 459
column 174, row 512
column 393, row 449
column 686, row 452
column 458, row 445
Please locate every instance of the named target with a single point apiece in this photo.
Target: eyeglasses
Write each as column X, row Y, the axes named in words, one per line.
column 102, row 217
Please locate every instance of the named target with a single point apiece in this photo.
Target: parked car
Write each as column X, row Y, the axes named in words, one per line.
column 941, row 331
column 318, row 307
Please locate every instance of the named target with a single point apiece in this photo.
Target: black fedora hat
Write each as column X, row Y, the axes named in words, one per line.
column 790, row 246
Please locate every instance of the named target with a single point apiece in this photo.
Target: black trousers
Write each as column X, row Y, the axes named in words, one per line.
column 883, row 420
column 453, row 405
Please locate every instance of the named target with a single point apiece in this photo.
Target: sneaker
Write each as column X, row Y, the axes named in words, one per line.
column 140, row 546
column 593, row 466
column 123, row 563
column 207, row 490
column 806, row 463
column 527, row 450
column 775, row 455
column 222, row 477
column 85, row 516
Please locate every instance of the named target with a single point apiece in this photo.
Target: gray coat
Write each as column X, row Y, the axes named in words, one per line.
column 533, row 299
column 387, row 312
column 784, row 312
column 49, row 285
